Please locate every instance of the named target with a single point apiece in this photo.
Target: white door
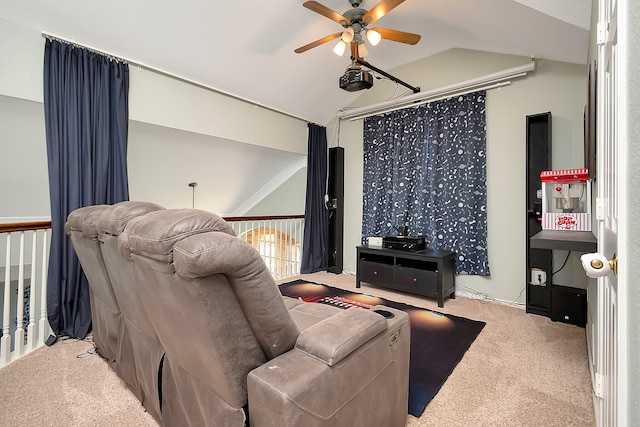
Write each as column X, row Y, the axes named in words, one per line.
column 608, row 319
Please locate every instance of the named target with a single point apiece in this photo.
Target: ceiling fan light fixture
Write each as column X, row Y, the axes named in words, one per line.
column 374, row 37
column 339, row 48
column 347, row 35
column 354, row 31
column 362, row 50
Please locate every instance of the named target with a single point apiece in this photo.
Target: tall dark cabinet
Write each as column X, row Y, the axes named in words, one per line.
column 335, row 208
column 538, row 159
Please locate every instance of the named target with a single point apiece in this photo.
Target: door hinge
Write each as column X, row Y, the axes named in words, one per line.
column 600, row 208
column 598, row 386
column 601, row 35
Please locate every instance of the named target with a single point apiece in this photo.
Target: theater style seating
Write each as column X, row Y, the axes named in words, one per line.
column 122, row 332
column 192, row 320
column 82, row 228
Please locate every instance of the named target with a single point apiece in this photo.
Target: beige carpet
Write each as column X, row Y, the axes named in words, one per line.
column 522, row 370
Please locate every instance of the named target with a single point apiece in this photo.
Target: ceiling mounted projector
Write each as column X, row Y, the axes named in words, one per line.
column 355, row 79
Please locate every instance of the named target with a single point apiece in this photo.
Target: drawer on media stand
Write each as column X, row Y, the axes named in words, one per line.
column 427, row 272
column 417, row 281
column 374, row 272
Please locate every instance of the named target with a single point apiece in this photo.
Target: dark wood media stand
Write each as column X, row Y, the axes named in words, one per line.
column 427, row 272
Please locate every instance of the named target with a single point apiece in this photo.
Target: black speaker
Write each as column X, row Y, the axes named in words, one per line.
column 538, row 159
column 335, row 210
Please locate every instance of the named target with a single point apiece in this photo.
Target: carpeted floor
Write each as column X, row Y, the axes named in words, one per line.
column 522, row 370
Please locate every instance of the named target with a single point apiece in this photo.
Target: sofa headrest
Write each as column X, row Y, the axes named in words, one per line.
column 85, row 220
column 214, row 253
column 153, row 235
column 114, row 220
column 210, row 253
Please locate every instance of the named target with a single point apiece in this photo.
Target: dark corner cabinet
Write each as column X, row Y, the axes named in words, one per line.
column 427, row 272
column 560, row 303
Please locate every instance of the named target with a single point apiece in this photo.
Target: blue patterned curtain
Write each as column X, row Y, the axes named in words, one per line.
column 425, row 167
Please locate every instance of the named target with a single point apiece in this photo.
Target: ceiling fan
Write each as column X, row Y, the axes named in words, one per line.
column 355, row 22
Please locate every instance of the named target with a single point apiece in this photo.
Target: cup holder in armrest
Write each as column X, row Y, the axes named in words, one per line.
column 384, row 313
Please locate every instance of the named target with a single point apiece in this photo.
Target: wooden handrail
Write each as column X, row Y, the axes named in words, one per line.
column 24, row 226
column 41, row 225
column 261, row 218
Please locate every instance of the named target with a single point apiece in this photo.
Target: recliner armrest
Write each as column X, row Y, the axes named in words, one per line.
column 335, row 337
column 368, row 387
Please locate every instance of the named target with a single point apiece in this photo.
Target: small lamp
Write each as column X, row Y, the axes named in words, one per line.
column 362, row 50
column 339, row 48
column 374, row 37
column 347, row 35
column 193, row 193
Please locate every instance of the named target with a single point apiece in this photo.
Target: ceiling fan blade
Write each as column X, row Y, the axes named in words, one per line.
column 379, row 10
column 318, row 42
column 398, row 36
column 325, row 11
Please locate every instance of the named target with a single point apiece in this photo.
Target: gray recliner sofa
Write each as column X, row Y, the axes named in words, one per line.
column 228, row 349
column 122, row 332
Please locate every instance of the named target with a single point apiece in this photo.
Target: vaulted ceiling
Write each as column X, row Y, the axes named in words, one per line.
column 246, row 48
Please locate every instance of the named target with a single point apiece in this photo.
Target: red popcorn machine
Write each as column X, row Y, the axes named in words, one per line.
column 566, row 200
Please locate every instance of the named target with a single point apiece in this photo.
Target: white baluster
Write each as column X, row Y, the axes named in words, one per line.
column 282, row 251
column 287, row 248
column 296, row 250
column 33, row 295
column 19, row 338
column 43, row 326
column 300, row 239
column 292, row 249
column 5, row 341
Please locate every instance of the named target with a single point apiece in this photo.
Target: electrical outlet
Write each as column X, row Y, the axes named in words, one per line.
column 538, row 277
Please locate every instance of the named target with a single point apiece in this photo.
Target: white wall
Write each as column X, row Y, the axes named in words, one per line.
column 556, row 87
column 162, row 100
column 23, row 161
column 24, row 188
column 21, row 51
column 288, row 199
column 189, row 115
column 229, row 173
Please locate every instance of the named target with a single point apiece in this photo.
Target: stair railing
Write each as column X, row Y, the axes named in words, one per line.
column 24, row 247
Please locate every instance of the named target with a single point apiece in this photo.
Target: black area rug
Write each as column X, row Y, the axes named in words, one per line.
column 438, row 341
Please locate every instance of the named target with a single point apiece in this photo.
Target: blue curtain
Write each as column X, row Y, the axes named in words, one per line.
column 425, row 167
column 86, row 118
column 314, row 249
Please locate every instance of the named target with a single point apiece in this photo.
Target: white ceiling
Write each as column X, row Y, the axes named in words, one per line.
column 247, row 47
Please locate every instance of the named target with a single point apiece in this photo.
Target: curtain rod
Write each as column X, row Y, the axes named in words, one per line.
column 489, row 81
column 431, row 99
column 169, row 74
